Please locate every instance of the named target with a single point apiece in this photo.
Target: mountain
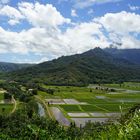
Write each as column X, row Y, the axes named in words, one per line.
column 92, row 66
column 7, row 67
column 132, row 55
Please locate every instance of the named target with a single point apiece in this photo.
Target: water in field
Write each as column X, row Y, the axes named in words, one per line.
column 59, row 116
column 41, row 110
column 100, row 97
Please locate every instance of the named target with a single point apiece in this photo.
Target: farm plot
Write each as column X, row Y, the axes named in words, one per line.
column 59, row 116
column 97, row 114
column 78, row 114
column 82, row 104
column 92, row 108
column 73, row 101
column 64, row 101
column 71, row 108
column 55, row 101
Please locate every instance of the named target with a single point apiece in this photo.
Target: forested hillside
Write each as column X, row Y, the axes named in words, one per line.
column 93, row 66
column 7, row 67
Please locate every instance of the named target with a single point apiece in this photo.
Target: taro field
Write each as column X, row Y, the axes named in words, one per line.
column 95, row 103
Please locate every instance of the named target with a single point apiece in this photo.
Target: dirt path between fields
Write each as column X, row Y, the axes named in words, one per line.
column 15, row 105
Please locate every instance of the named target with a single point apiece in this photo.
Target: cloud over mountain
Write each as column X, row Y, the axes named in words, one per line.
column 51, row 35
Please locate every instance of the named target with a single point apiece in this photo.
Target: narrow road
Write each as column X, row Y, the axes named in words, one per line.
column 15, row 105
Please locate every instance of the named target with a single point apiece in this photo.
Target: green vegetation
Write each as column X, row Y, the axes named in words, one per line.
column 80, row 70
column 125, row 85
column 1, row 96
column 5, row 109
column 109, row 103
column 71, row 108
column 7, row 67
column 25, row 124
column 91, row 108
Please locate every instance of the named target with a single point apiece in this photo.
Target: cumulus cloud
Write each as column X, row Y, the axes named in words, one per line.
column 122, row 23
column 4, row 2
column 42, row 15
column 74, row 13
column 124, row 32
column 133, row 8
column 14, row 15
column 37, row 15
column 46, row 38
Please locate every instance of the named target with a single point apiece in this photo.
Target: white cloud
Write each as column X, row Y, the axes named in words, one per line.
column 87, row 3
column 121, row 23
column 122, row 27
column 40, row 15
column 3, row 2
column 37, row 15
column 129, row 42
column 14, row 15
column 74, row 13
column 85, row 36
column 46, row 38
column 133, row 8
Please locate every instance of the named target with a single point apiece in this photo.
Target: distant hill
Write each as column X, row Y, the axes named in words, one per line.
column 132, row 55
column 8, row 67
column 92, row 66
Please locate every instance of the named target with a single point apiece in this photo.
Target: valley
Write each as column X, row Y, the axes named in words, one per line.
column 75, row 97
column 89, row 103
column 79, row 105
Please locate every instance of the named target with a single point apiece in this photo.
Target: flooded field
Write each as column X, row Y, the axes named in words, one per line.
column 83, row 104
column 59, row 116
column 41, row 110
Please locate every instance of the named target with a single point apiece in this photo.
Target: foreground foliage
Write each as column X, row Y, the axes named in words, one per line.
column 26, row 124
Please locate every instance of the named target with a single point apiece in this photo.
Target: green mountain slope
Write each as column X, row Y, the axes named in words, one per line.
column 132, row 55
column 7, row 67
column 90, row 67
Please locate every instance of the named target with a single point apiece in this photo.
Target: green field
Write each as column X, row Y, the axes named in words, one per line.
column 1, row 96
column 125, row 85
column 7, row 109
column 96, row 100
column 71, row 108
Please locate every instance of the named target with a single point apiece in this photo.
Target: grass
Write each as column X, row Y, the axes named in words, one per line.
column 111, row 103
column 71, row 108
column 1, row 96
column 70, row 92
column 91, row 108
column 8, row 108
column 125, row 85
column 115, row 107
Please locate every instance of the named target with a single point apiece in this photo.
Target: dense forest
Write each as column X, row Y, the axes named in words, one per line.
column 93, row 66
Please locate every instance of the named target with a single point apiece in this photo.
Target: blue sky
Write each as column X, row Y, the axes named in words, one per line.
column 33, row 31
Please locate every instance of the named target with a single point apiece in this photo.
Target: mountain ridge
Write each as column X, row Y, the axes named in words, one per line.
column 132, row 55
column 92, row 66
column 8, row 67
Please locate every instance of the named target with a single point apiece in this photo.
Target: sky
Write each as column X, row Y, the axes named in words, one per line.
column 34, row 31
